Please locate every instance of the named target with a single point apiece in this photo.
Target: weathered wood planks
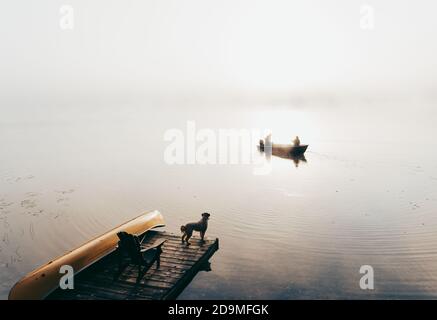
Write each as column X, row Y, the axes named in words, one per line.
column 179, row 264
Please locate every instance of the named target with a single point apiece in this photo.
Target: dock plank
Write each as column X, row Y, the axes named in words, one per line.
column 179, row 264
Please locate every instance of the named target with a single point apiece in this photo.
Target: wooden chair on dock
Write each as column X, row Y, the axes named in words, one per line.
column 142, row 257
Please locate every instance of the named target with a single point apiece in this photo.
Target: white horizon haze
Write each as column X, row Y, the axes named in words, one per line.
column 194, row 48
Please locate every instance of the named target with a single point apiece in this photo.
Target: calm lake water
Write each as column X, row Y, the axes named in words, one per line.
column 367, row 194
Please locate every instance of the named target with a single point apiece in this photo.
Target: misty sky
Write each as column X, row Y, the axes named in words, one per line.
column 198, row 46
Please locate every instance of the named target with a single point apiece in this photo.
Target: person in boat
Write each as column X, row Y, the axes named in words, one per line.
column 261, row 144
column 268, row 142
column 296, row 141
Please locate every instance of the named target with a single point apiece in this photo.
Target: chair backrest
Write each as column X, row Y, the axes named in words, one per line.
column 130, row 244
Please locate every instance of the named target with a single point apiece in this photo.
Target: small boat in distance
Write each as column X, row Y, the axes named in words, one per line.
column 289, row 149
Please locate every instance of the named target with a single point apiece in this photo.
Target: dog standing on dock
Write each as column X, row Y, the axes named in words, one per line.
column 200, row 226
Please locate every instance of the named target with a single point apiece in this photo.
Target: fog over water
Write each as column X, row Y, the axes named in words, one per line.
column 84, row 112
column 198, row 48
column 365, row 195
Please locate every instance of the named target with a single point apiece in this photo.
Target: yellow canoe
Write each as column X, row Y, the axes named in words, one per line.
column 39, row 283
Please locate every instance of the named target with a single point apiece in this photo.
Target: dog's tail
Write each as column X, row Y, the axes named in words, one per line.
column 183, row 228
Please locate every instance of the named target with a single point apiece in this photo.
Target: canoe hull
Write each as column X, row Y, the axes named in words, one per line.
column 42, row 281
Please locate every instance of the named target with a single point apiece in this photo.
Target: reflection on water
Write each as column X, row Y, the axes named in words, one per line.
column 70, row 174
column 296, row 159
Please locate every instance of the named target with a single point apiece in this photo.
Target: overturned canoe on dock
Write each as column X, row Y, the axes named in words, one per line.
column 39, row 283
column 178, row 265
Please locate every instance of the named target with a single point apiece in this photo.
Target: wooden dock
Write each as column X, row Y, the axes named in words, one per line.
column 179, row 264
